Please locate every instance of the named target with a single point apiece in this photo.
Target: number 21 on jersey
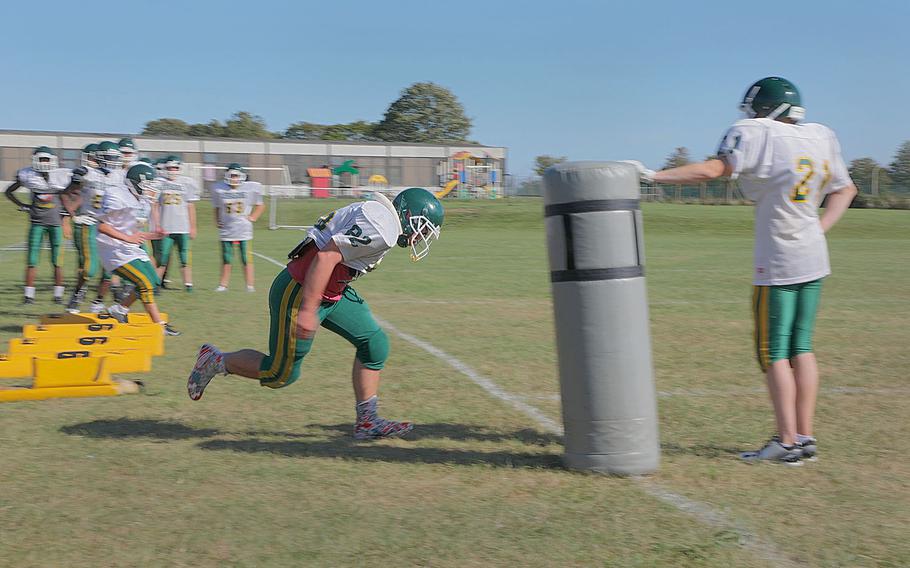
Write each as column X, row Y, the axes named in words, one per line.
column 805, row 166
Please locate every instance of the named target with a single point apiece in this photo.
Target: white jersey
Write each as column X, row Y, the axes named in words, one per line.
column 364, row 232
column 46, row 207
column 787, row 169
column 173, row 203
column 95, row 184
column 118, row 210
column 235, row 204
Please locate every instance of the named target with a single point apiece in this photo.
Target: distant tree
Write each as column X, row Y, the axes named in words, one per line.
column 305, row 131
column 213, row 129
column 166, row 127
column 425, row 112
column 868, row 174
column 679, row 157
column 541, row 163
column 357, row 130
column 900, row 167
column 243, row 124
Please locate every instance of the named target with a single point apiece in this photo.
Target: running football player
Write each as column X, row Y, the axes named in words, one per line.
column 177, row 214
column 314, row 290
column 46, row 182
column 120, row 242
column 787, row 167
column 238, row 204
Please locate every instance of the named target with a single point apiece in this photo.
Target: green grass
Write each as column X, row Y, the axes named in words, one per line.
column 254, row 477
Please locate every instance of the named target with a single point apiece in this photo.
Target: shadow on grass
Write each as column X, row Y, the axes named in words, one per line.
column 348, row 449
column 335, row 441
column 698, row 450
column 133, row 428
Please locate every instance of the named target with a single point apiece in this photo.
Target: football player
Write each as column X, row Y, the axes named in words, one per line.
column 314, row 290
column 238, row 204
column 129, row 152
column 177, row 214
column 787, row 167
column 46, row 182
column 120, row 242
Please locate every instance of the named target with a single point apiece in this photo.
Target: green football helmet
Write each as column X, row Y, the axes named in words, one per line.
column 109, row 156
column 234, row 175
column 44, row 159
column 421, row 215
column 88, row 156
column 128, row 150
column 773, row 97
column 172, row 167
column 141, row 179
column 146, row 160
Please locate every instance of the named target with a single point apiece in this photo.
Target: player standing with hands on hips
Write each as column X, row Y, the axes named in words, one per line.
column 238, row 204
column 787, row 168
column 314, row 290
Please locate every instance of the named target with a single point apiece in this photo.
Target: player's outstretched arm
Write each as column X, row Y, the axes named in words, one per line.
column 314, row 283
column 694, row 173
column 11, row 195
column 837, row 204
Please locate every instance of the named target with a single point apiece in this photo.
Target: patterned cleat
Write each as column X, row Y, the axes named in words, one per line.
column 97, row 307
column 76, row 299
column 377, row 428
column 209, row 363
column 809, row 448
column 775, row 452
column 118, row 312
column 170, row 331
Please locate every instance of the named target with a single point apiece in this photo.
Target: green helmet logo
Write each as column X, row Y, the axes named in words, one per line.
column 43, row 159
column 773, row 97
column 421, row 215
column 109, row 156
column 141, row 178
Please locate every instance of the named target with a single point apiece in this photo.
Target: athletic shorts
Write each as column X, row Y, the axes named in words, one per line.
column 350, row 317
column 36, row 234
column 85, row 238
column 142, row 274
column 784, row 320
column 182, row 240
column 246, row 251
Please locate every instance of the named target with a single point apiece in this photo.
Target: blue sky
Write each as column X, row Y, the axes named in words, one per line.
column 584, row 79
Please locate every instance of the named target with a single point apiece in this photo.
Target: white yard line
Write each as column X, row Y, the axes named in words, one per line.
column 702, row 512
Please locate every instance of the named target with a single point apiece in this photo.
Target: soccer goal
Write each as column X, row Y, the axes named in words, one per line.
column 207, row 174
column 282, row 206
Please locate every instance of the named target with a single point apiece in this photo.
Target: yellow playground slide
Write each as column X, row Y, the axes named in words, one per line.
column 448, row 188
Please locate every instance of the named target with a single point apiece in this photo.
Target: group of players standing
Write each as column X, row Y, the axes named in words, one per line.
column 117, row 203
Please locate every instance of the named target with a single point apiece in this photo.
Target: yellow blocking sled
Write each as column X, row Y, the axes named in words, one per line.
column 154, row 344
column 114, row 329
column 56, row 378
column 22, row 365
column 85, row 318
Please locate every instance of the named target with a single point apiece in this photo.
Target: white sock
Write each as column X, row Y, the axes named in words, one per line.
column 58, row 291
column 29, row 291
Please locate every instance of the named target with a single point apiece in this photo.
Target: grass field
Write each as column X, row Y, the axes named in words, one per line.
column 254, row 477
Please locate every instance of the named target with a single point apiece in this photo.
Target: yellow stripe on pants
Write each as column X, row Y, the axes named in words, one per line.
column 279, row 343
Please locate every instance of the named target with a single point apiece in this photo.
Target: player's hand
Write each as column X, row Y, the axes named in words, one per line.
column 307, row 323
column 136, row 239
column 193, row 233
column 643, row 172
column 25, row 209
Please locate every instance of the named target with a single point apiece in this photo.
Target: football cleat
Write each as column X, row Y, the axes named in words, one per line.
column 775, row 452
column 209, row 363
column 97, row 307
column 221, row 288
column 28, row 301
column 76, row 299
column 170, row 331
column 119, row 313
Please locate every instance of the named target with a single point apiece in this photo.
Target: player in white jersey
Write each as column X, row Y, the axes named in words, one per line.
column 177, row 214
column 129, row 151
column 787, row 168
column 314, row 290
column 120, row 242
column 46, row 182
column 238, row 204
column 101, row 168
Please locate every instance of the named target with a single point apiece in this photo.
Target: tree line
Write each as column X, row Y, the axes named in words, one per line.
column 867, row 173
column 424, row 113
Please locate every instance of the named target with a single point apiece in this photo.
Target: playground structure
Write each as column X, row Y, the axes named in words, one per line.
column 74, row 355
column 465, row 176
